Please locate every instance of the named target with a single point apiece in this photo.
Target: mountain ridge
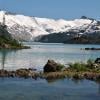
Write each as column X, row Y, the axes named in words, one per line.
column 27, row 28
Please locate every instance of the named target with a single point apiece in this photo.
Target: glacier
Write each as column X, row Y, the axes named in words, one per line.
column 28, row 28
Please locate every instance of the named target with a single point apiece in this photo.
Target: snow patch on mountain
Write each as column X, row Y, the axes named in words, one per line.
column 25, row 27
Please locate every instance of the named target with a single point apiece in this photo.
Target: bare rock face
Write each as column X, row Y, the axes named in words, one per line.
column 52, row 66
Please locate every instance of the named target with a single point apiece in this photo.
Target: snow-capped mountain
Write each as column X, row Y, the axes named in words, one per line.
column 28, row 28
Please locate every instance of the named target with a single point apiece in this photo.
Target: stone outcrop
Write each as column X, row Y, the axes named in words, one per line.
column 52, row 66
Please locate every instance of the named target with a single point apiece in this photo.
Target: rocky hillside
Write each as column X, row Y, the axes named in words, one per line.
column 73, row 38
column 6, row 40
column 49, row 30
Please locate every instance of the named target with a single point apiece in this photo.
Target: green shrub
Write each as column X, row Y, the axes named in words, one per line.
column 90, row 63
column 78, row 66
column 60, row 67
column 6, row 39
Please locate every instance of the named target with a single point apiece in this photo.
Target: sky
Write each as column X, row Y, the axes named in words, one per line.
column 57, row 9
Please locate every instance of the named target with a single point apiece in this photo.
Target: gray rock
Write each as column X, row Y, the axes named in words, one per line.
column 52, row 66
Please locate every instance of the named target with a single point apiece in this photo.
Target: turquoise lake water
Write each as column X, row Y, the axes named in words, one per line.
column 29, row 89
column 38, row 55
column 41, row 89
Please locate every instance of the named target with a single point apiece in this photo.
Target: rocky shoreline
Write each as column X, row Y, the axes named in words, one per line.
column 28, row 73
column 53, row 73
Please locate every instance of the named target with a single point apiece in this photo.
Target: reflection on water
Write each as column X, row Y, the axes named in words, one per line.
column 99, row 88
column 39, row 53
column 3, row 58
column 21, row 89
column 4, row 53
column 50, row 81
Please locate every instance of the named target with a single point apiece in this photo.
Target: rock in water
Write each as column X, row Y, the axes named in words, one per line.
column 52, row 66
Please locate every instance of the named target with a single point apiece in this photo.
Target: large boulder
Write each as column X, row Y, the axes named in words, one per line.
column 52, row 66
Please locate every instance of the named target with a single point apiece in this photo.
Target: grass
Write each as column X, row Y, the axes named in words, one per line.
column 60, row 67
column 78, row 70
column 80, row 66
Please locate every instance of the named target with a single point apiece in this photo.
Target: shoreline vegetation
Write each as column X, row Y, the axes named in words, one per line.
column 7, row 42
column 53, row 71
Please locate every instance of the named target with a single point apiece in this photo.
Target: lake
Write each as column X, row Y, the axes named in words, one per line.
column 41, row 89
column 38, row 55
column 66, row 89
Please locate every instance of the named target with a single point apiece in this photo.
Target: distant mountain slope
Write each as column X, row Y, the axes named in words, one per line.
column 6, row 40
column 93, row 38
column 49, row 30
